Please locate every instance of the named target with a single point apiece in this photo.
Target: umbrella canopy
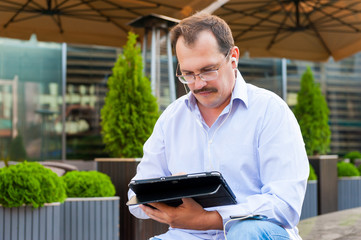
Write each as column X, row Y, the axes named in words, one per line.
column 295, row 29
column 101, row 22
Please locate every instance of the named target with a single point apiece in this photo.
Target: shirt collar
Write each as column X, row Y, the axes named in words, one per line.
column 239, row 92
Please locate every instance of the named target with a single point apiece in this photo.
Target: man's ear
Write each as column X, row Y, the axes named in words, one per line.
column 234, row 56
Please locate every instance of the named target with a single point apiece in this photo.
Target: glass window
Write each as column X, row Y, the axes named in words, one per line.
column 30, row 99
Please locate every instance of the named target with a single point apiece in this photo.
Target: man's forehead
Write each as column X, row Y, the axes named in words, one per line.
column 205, row 39
column 201, row 36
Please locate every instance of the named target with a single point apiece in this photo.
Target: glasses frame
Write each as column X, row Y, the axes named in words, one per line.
column 180, row 77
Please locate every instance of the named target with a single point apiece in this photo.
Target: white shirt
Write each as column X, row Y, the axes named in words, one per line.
column 256, row 144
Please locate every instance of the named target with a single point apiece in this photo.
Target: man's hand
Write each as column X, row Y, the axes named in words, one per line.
column 189, row 215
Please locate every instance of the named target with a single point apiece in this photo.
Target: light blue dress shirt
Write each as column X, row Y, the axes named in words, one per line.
column 256, row 144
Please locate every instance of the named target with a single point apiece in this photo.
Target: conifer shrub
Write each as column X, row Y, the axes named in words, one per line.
column 130, row 110
column 312, row 114
column 30, row 183
column 352, row 156
column 88, row 184
column 345, row 169
column 312, row 175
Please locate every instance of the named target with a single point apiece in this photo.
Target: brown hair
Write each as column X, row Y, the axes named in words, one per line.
column 190, row 27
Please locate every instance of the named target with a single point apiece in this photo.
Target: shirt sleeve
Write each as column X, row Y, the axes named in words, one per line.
column 153, row 163
column 283, row 170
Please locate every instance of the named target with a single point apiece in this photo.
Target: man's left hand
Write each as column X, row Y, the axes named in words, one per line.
column 188, row 215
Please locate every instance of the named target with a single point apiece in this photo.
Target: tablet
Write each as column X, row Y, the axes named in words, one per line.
column 209, row 189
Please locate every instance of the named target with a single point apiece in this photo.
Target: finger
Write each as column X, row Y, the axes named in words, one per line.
column 154, row 214
column 178, row 174
column 148, row 210
column 187, row 201
column 161, row 206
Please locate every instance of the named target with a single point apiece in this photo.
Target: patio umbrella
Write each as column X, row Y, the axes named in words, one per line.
column 101, row 22
column 295, row 29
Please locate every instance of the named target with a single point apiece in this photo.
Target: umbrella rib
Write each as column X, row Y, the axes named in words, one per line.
column 62, row 3
column 37, row 5
column 16, row 14
column 82, row 2
column 338, row 19
column 107, row 18
column 318, row 35
column 22, row 6
column 261, row 20
column 246, row 14
column 58, row 23
column 273, row 40
column 337, row 9
column 68, row 6
column 26, row 18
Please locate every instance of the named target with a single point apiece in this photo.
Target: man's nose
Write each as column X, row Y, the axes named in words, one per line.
column 199, row 83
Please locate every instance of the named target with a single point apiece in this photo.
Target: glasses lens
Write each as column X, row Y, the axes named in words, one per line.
column 186, row 78
column 208, row 76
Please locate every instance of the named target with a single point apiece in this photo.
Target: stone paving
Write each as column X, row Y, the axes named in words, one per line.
column 340, row 225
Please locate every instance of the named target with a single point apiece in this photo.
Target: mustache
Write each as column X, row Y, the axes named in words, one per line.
column 205, row 89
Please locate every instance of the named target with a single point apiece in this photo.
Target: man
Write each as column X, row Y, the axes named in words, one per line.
column 246, row 133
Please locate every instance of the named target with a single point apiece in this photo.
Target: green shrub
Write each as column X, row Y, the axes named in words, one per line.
column 88, row 184
column 312, row 175
column 312, row 113
column 345, row 169
column 353, row 155
column 130, row 110
column 30, row 183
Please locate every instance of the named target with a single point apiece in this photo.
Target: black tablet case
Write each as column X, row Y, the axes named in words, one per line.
column 209, row 189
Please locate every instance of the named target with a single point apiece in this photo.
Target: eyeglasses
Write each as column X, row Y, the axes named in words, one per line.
column 205, row 76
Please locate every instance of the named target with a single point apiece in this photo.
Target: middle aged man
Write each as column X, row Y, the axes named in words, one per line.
column 247, row 133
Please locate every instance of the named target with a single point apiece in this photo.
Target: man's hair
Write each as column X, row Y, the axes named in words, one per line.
column 190, row 27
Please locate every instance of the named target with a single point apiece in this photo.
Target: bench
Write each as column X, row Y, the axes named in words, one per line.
column 331, row 226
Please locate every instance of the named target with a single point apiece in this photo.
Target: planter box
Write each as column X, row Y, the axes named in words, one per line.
column 326, row 169
column 28, row 223
column 309, row 207
column 90, row 219
column 121, row 172
column 349, row 192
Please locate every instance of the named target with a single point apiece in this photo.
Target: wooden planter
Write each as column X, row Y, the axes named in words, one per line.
column 309, row 207
column 28, row 223
column 89, row 219
column 326, row 170
column 349, row 192
column 121, row 171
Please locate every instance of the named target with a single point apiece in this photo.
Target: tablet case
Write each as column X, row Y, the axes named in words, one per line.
column 209, row 189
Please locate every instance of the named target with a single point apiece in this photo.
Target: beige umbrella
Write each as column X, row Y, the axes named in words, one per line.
column 101, row 22
column 295, row 29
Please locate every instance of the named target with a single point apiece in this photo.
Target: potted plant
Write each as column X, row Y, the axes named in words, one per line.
column 91, row 209
column 312, row 114
column 349, row 185
column 130, row 110
column 127, row 120
column 354, row 157
column 30, row 197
